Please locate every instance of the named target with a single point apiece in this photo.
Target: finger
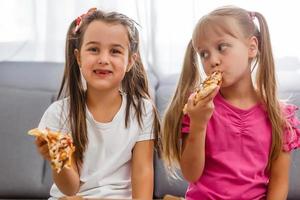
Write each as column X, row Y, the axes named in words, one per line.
column 40, row 141
column 44, row 150
column 211, row 105
column 47, row 157
column 192, row 95
column 191, row 99
column 39, row 138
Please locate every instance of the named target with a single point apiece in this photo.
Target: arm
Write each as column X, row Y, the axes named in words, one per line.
column 142, row 170
column 193, row 154
column 67, row 180
column 193, row 145
column 279, row 179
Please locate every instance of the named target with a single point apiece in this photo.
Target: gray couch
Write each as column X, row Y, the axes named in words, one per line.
column 28, row 88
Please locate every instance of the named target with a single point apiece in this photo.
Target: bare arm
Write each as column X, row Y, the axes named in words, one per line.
column 142, row 170
column 193, row 147
column 279, row 179
column 193, row 154
column 67, row 180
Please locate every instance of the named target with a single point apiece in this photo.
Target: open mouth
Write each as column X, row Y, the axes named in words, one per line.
column 102, row 72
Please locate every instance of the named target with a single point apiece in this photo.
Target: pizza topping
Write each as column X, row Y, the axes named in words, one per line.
column 60, row 147
column 207, row 87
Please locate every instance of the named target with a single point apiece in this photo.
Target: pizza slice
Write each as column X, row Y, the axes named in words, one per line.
column 60, row 147
column 207, row 87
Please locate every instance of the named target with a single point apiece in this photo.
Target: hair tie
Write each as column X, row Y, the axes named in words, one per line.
column 80, row 18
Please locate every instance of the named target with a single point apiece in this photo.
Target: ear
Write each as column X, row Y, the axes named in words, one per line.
column 253, row 47
column 131, row 61
column 77, row 55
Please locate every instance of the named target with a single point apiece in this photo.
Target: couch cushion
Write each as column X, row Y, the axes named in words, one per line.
column 294, row 185
column 153, row 82
column 23, row 172
column 165, row 91
column 31, row 75
column 164, row 183
column 26, row 90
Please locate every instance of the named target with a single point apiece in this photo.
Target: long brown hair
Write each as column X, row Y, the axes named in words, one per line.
column 265, row 78
column 135, row 82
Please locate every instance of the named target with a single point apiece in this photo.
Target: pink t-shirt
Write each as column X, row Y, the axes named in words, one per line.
column 237, row 147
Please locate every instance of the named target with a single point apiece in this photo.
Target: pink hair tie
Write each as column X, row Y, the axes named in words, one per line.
column 80, row 18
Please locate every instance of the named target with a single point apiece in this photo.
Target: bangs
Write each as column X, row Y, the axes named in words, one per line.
column 217, row 25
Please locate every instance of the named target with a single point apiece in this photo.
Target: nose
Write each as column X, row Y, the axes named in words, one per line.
column 103, row 59
column 215, row 61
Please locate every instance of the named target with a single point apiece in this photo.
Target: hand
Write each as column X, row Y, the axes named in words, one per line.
column 42, row 147
column 201, row 112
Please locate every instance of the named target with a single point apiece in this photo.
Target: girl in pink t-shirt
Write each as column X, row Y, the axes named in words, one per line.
column 235, row 143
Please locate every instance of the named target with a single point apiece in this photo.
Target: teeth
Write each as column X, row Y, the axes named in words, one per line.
column 101, row 71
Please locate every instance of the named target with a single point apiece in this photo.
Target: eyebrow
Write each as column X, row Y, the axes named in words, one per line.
column 221, row 40
column 91, row 42
column 114, row 45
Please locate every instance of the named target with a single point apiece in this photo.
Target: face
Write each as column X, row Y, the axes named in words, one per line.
column 230, row 55
column 104, row 55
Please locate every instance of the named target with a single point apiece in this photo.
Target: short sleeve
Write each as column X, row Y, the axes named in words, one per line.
column 55, row 118
column 146, row 132
column 291, row 136
column 185, row 124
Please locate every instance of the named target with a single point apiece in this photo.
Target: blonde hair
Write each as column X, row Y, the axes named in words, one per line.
column 189, row 78
column 218, row 20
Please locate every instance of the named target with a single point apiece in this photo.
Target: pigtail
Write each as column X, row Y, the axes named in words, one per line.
column 72, row 87
column 135, row 83
column 189, row 78
column 267, row 87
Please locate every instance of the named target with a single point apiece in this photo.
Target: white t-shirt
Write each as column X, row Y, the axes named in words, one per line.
column 106, row 170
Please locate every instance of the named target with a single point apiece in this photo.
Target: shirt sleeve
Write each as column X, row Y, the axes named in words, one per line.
column 147, row 132
column 54, row 118
column 185, row 124
column 291, row 136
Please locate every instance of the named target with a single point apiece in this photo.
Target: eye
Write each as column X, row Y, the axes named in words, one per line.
column 222, row 47
column 115, row 51
column 203, row 54
column 93, row 49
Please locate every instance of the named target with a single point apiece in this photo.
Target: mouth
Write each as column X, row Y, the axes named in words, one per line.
column 102, row 71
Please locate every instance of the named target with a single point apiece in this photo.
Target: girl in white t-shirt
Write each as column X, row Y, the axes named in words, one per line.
column 113, row 122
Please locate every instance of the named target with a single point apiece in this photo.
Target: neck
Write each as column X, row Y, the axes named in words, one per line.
column 103, row 104
column 102, row 98
column 240, row 95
